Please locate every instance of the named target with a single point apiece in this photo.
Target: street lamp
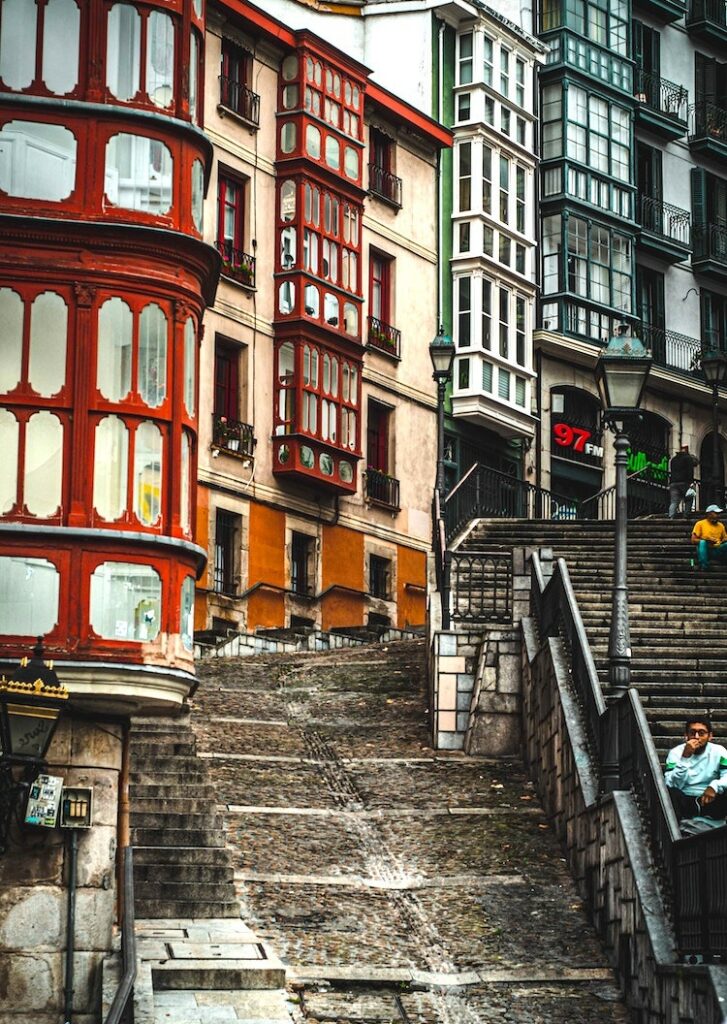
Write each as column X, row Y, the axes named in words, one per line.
column 441, row 352
column 621, row 373
column 714, row 368
column 30, row 705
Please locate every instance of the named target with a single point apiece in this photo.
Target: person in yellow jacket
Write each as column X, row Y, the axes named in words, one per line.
column 710, row 537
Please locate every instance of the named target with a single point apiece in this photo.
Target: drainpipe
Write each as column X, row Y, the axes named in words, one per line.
column 440, row 115
column 123, row 824
column 71, row 926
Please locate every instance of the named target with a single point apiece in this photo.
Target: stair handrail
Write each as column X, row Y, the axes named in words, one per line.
column 611, row 491
column 125, row 990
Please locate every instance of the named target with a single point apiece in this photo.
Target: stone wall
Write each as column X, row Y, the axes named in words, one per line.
column 34, row 888
column 453, row 658
column 604, row 843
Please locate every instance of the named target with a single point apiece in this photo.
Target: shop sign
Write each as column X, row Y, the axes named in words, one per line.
column 639, row 462
column 578, row 439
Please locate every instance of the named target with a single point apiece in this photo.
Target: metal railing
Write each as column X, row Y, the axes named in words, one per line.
column 243, row 101
column 481, row 582
column 710, row 242
column 385, row 184
column 238, row 265
column 707, row 121
column 382, row 488
column 676, row 351
column 644, row 497
column 384, row 337
column 233, row 436
column 665, row 220
column 123, row 1000
column 661, row 95
column 713, row 11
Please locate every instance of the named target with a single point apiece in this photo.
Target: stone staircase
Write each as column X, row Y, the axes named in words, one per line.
column 678, row 639
column 181, row 867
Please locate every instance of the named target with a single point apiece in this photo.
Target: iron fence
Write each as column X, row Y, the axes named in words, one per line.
column 238, row 265
column 382, row 488
column 233, row 435
column 385, row 184
column 665, row 220
column 481, row 582
column 661, row 95
column 237, row 97
column 384, row 337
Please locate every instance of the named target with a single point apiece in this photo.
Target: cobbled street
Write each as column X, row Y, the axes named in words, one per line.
column 395, row 883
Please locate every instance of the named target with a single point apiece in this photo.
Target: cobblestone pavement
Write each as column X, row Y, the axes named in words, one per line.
column 396, row 884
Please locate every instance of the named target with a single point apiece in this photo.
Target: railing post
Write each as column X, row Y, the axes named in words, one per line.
column 446, row 590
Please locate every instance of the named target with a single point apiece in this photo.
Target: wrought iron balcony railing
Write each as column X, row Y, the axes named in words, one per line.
column 238, row 265
column 241, row 100
column 672, row 350
column 384, row 337
column 233, row 436
column 385, row 185
column 661, row 95
column 665, row 220
column 707, row 122
column 382, row 488
column 710, row 243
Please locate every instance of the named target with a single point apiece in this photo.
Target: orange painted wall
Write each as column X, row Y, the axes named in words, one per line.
column 411, row 604
column 343, row 563
column 202, row 538
column 266, row 564
column 265, row 608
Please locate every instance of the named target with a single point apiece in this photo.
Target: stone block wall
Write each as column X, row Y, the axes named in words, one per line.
column 605, row 846
column 453, row 660
column 34, row 888
column 493, row 726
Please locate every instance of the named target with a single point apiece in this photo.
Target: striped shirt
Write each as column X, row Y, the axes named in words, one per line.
column 693, row 774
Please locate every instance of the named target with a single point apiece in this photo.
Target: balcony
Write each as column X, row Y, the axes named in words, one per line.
column 671, row 350
column 709, row 254
column 661, row 105
column 708, row 20
column 382, row 489
column 385, row 185
column 664, row 10
column 384, row 338
column 240, row 100
column 233, row 437
column 665, row 230
column 708, row 129
column 237, row 265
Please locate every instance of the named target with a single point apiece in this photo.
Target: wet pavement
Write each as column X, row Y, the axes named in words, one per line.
column 395, row 884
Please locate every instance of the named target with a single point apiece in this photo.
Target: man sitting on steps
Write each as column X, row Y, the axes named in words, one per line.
column 696, row 773
column 710, row 537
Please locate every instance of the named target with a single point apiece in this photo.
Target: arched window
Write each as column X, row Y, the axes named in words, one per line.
column 28, row 596
column 39, row 160
column 43, row 464
column 152, row 381
column 138, row 173
column 148, row 473
column 185, row 493
column 286, row 392
column 193, row 77
column 288, row 137
column 160, row 59
column 11, row 339
column 313, row 141
column 198, row 194
column 287, row 201
column 126, row 601
column 123, row 49
column 186, row 625
column 61, row 25
column 48, row 341
column 113, row 368
column 9, row 448
column 110, row 468
column 190, row 365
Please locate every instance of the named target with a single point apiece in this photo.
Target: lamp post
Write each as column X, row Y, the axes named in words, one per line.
column 621, row 374
column 441, row 352
column 714, row 368
column 30, row 705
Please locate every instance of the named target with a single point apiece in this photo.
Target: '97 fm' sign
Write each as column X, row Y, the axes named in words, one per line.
column 576, row 438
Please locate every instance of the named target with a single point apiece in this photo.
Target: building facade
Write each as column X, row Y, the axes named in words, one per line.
column 318, row 426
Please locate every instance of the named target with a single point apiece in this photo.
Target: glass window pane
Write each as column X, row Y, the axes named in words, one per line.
column 185, row 504
column 37, row 160
column 193, row 77
column 126, row 601
column 43, row 464
column 333, row 152
column 147, row 473
column 138, row 174
column 17, row 43
column 61, row 25
column 152, row 355
column 110, row 468
column 186, row 626
column 160, row 59
column 11, row 339
column 122, row 51
column 313, row 141
column 28, row 596
column 48, row 340
column 9, row 448
column 190, row 361
column 198, row 194
column 113, row 371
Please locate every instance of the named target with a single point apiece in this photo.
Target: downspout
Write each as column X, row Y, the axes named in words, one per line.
column 440, row 233
column 71, row 926
column 123, row 827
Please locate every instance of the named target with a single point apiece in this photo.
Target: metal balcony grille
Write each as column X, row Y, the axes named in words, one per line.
column 385, row 184
column 238, row 265
column 241, row 100
column 384, row 337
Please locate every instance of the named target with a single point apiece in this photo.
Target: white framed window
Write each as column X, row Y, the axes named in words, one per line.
column 464, row 58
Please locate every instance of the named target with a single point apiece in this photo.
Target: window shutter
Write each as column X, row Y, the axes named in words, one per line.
column 699, row 196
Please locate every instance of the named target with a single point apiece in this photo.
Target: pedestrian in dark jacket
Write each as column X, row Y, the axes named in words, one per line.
column 681, row 478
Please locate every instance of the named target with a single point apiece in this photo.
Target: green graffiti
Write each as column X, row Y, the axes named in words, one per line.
column 639, row 462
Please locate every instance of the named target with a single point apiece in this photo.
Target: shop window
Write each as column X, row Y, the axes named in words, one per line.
column 190, row 366
column 38, row 160
column 185, row 484
column 147, row 473
column 113, row 369
column 48, row 341
column 138, row 174
column 302, row 564
column 186, row 613
column 43, row 465
column 377, row 437
column 380, row 577
column 198, row 195
column 152, row 355
column 126, row 601
column 11, row 339
column 56, row 36
column 28, row 596
column 227, row 546
column 9, row 432
column 110, row 468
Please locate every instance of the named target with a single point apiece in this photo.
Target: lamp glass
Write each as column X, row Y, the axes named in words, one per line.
column 621, row 373
column 30, row 729
column 714, row 367
column 441, row 352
